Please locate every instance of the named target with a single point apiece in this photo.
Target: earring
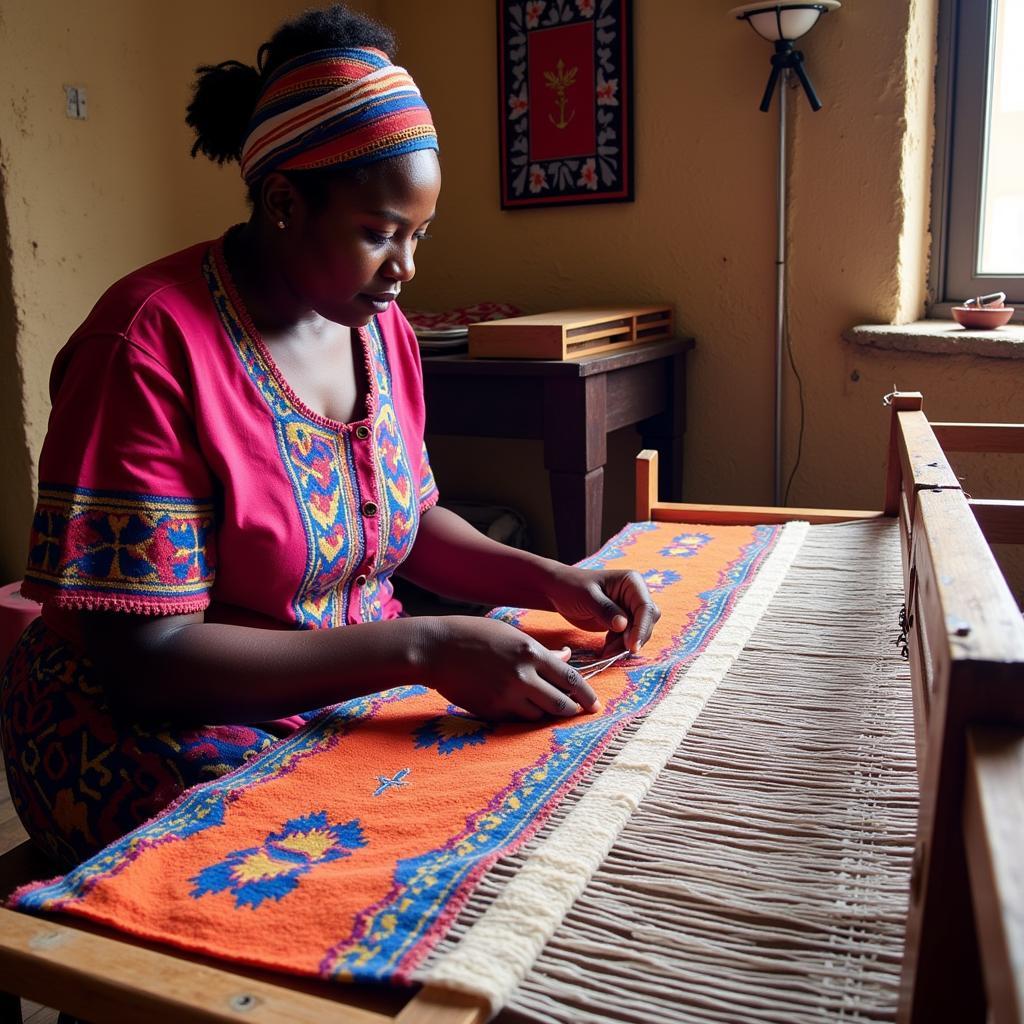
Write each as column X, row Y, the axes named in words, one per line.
column 281, row 224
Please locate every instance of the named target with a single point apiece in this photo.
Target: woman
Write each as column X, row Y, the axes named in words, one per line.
column 234, row 468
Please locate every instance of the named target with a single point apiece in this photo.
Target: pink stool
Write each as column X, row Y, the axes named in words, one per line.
column 16, row 613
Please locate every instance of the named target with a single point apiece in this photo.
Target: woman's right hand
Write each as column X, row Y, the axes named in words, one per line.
column 497, row 672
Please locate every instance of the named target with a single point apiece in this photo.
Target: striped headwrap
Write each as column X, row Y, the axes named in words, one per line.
column 342, row 106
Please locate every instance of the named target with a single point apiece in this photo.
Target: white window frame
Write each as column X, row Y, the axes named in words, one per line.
column 964, row 67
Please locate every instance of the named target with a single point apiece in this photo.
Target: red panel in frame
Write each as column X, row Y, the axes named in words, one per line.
column 562, row 90
column 565, row 95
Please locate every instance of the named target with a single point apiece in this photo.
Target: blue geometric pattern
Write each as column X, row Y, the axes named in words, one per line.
column 453, row 731
column 686, row 545
column 273, row 869
column 659, row 579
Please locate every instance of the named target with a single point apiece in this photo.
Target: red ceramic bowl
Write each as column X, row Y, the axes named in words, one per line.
column 982, row 318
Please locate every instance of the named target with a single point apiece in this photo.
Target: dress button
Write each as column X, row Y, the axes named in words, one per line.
column 360, row 580
column 369, row 509
column 362, row 433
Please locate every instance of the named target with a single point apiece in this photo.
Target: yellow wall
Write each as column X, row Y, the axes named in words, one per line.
column 701, row 235
column 84, row 202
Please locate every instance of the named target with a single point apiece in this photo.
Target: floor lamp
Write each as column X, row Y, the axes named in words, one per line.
column 781, row 23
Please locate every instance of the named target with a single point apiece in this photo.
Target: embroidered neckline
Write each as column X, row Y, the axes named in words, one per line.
column 296, row 403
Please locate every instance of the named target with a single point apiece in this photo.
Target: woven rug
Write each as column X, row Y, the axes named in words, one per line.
column 349, row 849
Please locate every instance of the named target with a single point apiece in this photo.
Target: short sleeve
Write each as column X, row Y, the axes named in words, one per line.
column 125, row 519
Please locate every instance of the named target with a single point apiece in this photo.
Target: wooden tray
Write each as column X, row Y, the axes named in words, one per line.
column 569, row 333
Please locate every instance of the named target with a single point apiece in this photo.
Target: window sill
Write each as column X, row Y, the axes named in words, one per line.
column 941, row 337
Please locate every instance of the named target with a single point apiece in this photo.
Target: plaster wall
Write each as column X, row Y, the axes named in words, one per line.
column 701, row 235
column 84, row 202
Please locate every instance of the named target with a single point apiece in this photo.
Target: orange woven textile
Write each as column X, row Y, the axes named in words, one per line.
column 346, row 850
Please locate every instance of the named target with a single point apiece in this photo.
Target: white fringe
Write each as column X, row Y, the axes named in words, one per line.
column 491, row 956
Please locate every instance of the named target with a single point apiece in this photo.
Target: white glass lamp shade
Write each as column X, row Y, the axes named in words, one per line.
column 783, row 20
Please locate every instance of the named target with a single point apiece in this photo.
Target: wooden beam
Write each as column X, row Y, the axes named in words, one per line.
column 981, row 437
column 920, row 679
column 923, row 463
column 444, row 1006
column 994, row 835
column 104, row 979
column 975, row 640
column 646, row 484
column 748, row 515
column 1002, row 522
column 900, row 401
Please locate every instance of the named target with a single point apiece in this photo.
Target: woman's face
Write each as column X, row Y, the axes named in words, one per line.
column 349, row 259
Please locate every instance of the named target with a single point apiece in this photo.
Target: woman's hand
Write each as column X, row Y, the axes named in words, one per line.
column 603, row 599
column 495, row 671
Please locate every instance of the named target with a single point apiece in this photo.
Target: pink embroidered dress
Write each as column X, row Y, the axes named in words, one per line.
column 181, row 473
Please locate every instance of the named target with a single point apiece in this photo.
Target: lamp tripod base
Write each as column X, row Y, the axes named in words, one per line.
column 785, row 57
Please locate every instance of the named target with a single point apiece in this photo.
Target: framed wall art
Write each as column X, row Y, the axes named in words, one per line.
column 565, row 102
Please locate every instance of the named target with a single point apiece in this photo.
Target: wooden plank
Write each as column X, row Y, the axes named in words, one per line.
column 994, row 834
column 981, row 437
column 923, row 463
column 975, row 641
column 899, row 402
column 973, row 607
column 920, row 674
column 751, row 515
column 1002, row 522
column 444, row 1006
column 104, row 979
column 906, row 539
column 646, row 484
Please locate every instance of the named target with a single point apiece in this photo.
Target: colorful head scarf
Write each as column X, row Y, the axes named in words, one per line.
column 344, row 106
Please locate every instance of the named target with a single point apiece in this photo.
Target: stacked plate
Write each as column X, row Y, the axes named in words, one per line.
column 448, row 332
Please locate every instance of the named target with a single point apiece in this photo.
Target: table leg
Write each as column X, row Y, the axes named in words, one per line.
column 665, row 433
column 578, row 501
column 575, row 451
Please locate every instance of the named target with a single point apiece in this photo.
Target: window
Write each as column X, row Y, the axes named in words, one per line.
column 978, row 195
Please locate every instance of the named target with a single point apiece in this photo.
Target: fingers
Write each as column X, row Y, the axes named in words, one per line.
column 614, row 643
column 613, row 616
column 550, row 701
column 644, row 613
column 567, row 682
column 643, row 625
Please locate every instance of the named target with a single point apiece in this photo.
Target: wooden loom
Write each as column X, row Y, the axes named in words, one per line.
column 964, row 952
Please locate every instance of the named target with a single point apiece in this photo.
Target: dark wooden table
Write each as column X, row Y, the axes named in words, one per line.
column 571, row 406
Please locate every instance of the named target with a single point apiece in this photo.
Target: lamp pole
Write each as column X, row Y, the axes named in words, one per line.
column 780, row 287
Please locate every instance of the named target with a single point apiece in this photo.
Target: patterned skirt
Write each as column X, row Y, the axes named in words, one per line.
column 81, row 775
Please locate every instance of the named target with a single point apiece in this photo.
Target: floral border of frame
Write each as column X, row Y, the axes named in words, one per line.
column 615, row 107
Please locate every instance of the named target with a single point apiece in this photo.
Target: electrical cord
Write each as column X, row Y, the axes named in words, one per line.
column 800, row 392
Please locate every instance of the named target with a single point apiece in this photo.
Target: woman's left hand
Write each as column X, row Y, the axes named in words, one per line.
column 602, row 599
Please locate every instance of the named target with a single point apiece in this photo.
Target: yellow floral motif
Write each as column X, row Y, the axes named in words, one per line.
column 314, row 844
column 560, row 81
column 258, row 865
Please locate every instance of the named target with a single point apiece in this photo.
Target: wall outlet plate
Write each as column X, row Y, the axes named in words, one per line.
column 75, row 103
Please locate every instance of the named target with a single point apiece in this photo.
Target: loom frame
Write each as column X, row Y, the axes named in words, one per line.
column 964, row 953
